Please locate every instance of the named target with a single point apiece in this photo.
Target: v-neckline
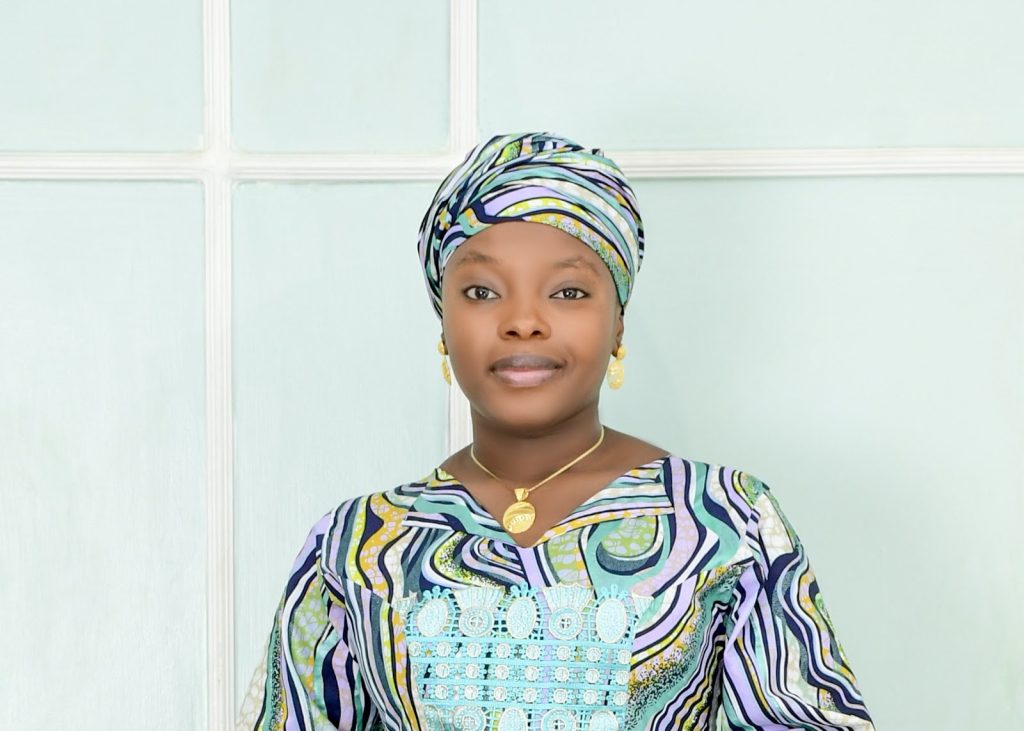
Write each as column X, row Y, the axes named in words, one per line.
column 639, row 490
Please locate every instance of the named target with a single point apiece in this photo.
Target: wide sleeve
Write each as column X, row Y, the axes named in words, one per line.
column 307, row 677
column 783, row 667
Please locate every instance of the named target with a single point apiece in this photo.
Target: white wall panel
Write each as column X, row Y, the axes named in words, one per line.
column 102, row 533
column 320, row 76
column 338, row 388
column 750, row 74
column 858, row 344
column 107, row 75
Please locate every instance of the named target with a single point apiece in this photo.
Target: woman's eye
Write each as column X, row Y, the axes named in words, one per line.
column 580, row 292
column 474, row 292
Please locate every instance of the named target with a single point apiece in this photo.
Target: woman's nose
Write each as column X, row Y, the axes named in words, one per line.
column 524, row 319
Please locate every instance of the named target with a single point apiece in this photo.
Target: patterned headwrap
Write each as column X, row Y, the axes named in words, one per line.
column 542, row 178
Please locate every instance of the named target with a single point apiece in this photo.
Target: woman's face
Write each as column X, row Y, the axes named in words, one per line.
column 529, row 290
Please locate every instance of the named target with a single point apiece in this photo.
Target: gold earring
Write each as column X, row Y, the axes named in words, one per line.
column 616, row 373
column 444, row 363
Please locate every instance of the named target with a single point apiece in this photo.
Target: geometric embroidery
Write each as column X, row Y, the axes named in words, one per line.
column 489, row 659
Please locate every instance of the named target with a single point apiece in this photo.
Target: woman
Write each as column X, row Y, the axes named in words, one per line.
column 555, row 574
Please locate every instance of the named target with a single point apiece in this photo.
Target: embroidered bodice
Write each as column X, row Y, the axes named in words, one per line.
column 676, row 597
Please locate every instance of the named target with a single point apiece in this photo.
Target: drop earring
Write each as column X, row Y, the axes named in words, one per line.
column 445, row 371
column 616, row 373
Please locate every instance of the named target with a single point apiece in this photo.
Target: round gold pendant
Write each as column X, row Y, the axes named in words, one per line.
column 518, row 517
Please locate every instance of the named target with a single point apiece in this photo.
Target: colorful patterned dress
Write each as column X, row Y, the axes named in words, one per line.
column 676, row 597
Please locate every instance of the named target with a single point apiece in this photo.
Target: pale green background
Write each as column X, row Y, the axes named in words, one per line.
column 748, row 73
column 857, row 343
column 337, row 76
column 102, row 531
column 110, row 75
column 337, row 386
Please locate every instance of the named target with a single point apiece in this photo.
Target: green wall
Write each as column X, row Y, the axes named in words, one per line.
column 856, row 341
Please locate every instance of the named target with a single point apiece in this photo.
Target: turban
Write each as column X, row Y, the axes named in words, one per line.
column 541, row 178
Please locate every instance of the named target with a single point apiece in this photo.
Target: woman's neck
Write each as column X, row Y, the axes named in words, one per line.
column 527, row 456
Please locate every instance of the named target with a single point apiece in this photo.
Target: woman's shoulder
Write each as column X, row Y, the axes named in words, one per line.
column 736, row 484
column 393, row 499
column 360, row 526
column 692, row 476
column 727, row 500
column 753, row 508
column 352, row 535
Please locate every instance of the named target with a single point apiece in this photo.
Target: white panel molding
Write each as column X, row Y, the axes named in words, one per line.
column 220, row 618
column 217, row 166
column 101, row 166
column 637, row 164
column 220, row 450
column 463, row 136
column 816, row 162
column 341, row 167
column 462, row 82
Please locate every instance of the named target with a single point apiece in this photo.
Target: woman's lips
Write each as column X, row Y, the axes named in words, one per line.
column 523, row 370
column 524, row 377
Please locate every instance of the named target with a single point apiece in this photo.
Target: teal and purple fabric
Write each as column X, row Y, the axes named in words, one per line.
column 542, row 178
column 678, row 596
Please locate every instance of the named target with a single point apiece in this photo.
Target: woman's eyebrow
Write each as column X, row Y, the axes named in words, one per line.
column 475, row 257
column 576, row 261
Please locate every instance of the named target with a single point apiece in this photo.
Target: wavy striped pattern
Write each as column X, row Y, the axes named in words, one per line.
column 677, row 597
column 541, row 178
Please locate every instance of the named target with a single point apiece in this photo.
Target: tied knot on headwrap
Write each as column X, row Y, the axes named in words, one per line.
column 541, row 178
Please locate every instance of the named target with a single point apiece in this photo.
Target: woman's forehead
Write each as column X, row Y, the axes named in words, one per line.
column 515, row 243
column 534, row 178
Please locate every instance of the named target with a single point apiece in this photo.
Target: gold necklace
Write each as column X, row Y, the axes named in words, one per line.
column 520, row 515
